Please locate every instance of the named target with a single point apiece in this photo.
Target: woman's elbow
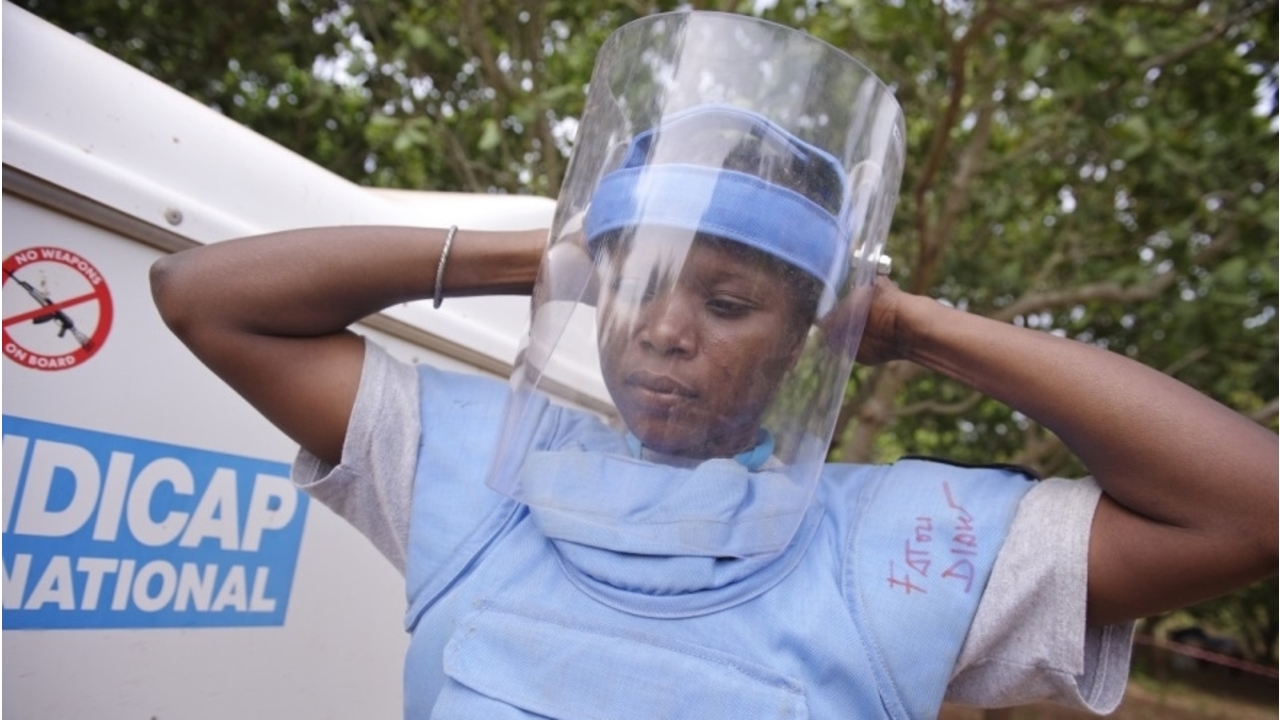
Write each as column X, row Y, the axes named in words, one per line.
column 172, row 294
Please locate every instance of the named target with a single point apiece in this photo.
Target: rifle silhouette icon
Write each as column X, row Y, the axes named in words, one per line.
column 66, row 325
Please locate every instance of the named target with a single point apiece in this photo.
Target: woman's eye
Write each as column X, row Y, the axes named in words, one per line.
column 728, row 307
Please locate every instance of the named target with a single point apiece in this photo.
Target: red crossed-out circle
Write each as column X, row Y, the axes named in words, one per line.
column 59, row 307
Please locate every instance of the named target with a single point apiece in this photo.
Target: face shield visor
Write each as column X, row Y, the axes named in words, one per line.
column 716, row 239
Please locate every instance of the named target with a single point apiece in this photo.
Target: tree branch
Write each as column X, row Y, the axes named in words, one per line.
column 873, row 408
column 941, row 139
column 941, row 408
column 1041, row 450
column 1186, row 360
column 959, row 191
column 1110, row 291
column 476, row 33
column 1213, row 33
column 460, row 160
column 1266, row 412
column 535, row 30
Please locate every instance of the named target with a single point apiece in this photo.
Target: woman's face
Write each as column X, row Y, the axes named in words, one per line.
column 694, row 340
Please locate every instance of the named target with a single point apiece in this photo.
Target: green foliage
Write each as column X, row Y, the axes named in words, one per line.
column 1251, row 615
column 1097, row 170
column 1123, row 198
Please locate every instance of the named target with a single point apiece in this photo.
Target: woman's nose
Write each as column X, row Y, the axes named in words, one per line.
column 667, row 325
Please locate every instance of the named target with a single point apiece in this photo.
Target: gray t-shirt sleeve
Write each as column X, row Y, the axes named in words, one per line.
column 1029, row 641
column 372, row 486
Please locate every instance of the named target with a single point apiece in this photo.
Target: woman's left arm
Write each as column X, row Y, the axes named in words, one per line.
column 1189, row 506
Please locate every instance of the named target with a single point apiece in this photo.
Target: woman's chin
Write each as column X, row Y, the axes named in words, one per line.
column 665, row 444
column 684, row 442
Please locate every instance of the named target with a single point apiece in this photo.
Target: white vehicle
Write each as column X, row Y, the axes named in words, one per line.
column 157, row 561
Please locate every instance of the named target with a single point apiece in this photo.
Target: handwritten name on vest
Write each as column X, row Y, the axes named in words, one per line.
column 920, row 550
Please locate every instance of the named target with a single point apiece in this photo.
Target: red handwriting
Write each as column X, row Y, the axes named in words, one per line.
column 903, row 582
column 916, row 556
column 910, row 571
column 917, row 559
column 924, row 529
column 964, row 544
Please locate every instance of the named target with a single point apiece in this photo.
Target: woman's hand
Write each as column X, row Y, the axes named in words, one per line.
column 885, row 334
column 882, row 332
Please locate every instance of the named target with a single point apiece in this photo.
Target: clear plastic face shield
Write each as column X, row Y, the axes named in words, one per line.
column 718, row 231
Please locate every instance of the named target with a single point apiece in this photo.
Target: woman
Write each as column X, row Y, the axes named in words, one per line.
column 694, row 564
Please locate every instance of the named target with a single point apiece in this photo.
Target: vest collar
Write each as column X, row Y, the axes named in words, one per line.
column 633, row 533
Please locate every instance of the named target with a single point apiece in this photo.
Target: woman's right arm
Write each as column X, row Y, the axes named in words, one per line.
column 268, row 314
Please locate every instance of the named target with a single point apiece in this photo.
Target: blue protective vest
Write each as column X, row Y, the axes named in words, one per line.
column 513, row 614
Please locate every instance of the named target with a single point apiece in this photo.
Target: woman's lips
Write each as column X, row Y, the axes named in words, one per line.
column 658, row 388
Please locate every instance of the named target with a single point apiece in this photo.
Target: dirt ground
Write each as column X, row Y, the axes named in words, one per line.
column 1145, row 701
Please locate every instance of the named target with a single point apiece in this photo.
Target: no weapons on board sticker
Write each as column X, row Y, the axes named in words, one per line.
column 57, row 308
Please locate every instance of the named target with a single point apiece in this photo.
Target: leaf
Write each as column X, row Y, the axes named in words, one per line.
column 1037, row 57
column 1232, row 272
column 492, row 136
column 1136, row 46
column 418, row 36
column 1137, row 134
column 407, row 139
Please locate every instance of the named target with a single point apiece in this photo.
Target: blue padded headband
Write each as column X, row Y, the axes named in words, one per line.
column 726, row 203
column 730, row 204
